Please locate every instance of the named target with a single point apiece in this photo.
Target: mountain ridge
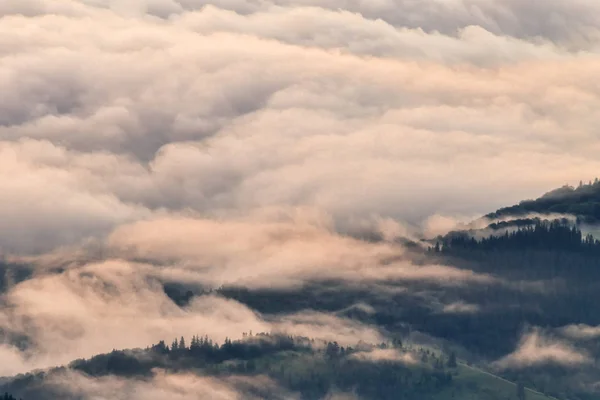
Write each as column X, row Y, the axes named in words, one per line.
column 582, row 201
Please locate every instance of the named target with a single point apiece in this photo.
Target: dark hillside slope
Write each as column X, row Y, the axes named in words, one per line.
column 582, row 202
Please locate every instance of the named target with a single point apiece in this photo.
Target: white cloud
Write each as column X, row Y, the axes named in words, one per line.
column 537, row 349
column 89, row 309
column 280, row 253
column 162, row 385
column 581, row 331
column 385, row 355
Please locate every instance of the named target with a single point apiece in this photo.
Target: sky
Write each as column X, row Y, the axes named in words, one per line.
column 229, row 139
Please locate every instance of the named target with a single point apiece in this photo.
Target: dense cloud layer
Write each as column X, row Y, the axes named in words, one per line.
column 109, row 114
column 573, row 23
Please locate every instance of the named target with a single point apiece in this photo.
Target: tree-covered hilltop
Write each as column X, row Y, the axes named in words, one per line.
column 582, row 201
column 310, row 369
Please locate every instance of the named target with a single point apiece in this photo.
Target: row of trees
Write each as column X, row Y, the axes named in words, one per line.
column 252, row 346
column 325, row 364
column 537, row 235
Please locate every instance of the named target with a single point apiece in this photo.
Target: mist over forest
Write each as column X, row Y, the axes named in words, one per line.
column 299, row 199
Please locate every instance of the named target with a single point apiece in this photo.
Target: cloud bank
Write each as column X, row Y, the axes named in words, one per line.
column 110, row 114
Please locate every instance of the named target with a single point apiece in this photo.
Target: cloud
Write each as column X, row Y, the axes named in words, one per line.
column 572, row 24
column 437, row 225
column 581, row 331
column 327, row 327
column 537, row 349
column 357, row 116
column 460, row 308
column 267, row 253
column 163, row 384
column 352, row 32
column 96, row 294
column 48, row 200
column 92, row 307
column 360, row 307
column 385, row 355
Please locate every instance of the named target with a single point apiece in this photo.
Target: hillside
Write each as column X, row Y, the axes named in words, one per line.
column 582, row 202
column 310, row 369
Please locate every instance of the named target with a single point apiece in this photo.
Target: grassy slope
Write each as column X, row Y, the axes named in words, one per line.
column 474, row 384
column 469, row 383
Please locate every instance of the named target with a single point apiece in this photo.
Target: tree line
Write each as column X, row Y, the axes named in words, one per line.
column 535, row 234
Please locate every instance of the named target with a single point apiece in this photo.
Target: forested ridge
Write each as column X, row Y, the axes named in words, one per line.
column 531, row 234
column 582, row 201
column 308, row 367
